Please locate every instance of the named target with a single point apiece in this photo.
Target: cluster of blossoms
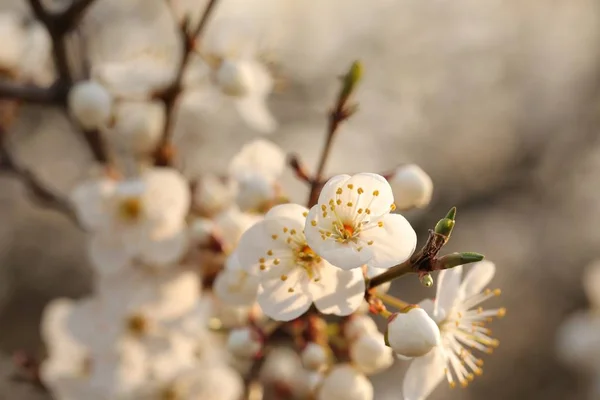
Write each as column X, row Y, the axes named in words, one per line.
column 219, row 287
column 578, row 341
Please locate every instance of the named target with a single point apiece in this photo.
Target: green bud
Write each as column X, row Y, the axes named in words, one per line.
column 456, row 259
column 451, row 214
column 351, row 78
column 426, row 280
column 445, row 225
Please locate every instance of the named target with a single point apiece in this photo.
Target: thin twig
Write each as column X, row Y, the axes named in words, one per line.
column 163, row 154
column 293, row 160
column 29, row 93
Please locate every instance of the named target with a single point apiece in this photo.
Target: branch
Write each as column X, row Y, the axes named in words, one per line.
column 299, row 169
column 340, row 113
column 29, row 93
column 163, row 155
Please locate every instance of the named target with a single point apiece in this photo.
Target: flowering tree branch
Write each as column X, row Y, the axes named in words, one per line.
column 299, row 168
column 341, row 112
column 163, row 155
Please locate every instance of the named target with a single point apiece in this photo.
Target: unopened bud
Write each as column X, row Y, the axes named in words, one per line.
column 138, row 125
column 244, row 342
column 350, row 81
column 314, row 356
column 90, row 104
column 426, row 280
column 446, row 225
column 370, row 354
column 359, row 325
column 456, row 259
column 412, row 334
column 234, row 78
column 412, row 187
column 345, row 380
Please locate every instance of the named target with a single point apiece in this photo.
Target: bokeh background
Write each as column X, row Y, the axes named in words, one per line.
column 497, row 100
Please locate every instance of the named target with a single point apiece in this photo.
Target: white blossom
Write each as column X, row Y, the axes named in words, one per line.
column 231, row 224
column 292, row 276
column 138, row 125
column 244, row 342
column 313, row 356
column 412, row 187
column 369, row 353
column 578, row 341
column 413, row 333
column 461, row 327
column 201, row 231
column 351, row 224
column 13, row 37
column 212, row 195
column 344, row 382
column 255, row 170
column 134, row 219
column 235, row 285
column 358, row 325
column 283, row 367
column 90, row 104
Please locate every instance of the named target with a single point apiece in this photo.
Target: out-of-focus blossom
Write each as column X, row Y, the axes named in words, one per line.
column 351, row 224
column 412, row 187
column 235, row 285
column 137, row 125
column 212, row 195
column 244, row 342
column 358, row 325
column 461, row 326
column 314, row 356
column 292, row 276
column 134, row 219
column 230, row 225
column 345, row 382
column 369, row 353
column 90, row 104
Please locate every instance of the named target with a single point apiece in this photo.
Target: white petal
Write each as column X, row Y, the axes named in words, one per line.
column 134, row 79
column 255, row 112
column 477, row 278
column 330, row 187
column 236, row 287
column 447, row 291
column 423, row 375
column 90, row 201
column 393, row 243
column 342, row 255
column 289, row 210
column 164, row 248
column 258, row 156
column 107, row 253
column 167, row 195
column 278, row 303
column 338, row 292
column 231, row 224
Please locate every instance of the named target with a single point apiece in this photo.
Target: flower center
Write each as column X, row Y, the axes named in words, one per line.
column 347, row 231
column 137, row 325
column 130, row 209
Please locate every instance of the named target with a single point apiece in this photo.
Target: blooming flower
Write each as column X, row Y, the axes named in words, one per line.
column 461, row 326
column 292, row 276
column 413, row 333
column 358, row 325
column 412, row 187
column 351, row 224
column 344, row 382
column 235, row 285
column 134, row 219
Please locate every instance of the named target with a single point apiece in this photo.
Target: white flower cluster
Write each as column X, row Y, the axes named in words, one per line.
column 578, row 339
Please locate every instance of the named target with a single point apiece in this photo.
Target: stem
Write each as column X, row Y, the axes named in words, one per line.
column 393, row 273
column 318, row 177
column 391, row 300
column 163, row 155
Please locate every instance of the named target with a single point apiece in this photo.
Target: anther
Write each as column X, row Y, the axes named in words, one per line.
column 293, row 232
column 313, row 222
column 274, row 237
column 270, row 252
column 261, row 260
column 338, row 191
column 376, row 193
column 360, row 210
column 497, row 292
column 393, row 207
column 360, row 190
column 370, row 242
column 305, row 214
column 380, row 224
column 284, row 278
column 291, row 290
column 349, row 204
column 350, row 186
column 276, row 261
column 338, row 202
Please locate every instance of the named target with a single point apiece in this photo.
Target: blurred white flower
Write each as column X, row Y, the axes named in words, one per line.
column 230, row 225
column 292, row 276
column 244, row 342
column 235, row 285
column 344, row 382
column 90, row 104
column 578, row 341
column 138, row 125
column 351, row 224
column 255, row 170
column 412, row 334
column 212, row 195
column 13, row 37
column 358, row 325
column 314, row 356
column 283, row 368
column 412, row 187
column 460, row 326
column 369, row 353
column 134, row 219
column 201, row 231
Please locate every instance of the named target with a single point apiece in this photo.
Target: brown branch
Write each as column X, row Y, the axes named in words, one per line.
column 29, row 93
column 163, row 154
column 293, row 160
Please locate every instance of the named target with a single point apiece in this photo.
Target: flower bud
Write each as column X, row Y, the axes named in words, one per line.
column 345, row 382
column 90, row 104
column 139, row 125
column 359, row 325
column 412, row 334
column 412, row 187
column 370, row 354
column 244, row 342
column 212, row 195
column 201, row 231
column 313, row 356
column 233, row 78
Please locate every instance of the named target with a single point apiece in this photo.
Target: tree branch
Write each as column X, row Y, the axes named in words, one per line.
column 163, row 154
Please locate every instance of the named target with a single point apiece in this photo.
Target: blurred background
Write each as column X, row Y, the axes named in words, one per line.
column 497, row 100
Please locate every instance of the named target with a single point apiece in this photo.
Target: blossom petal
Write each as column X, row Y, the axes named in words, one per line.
column 253, row 109
column 234, row 286
column 90, row 201
column 423, row 375
column 167, row 195
column 392, row 243
column 338, row 292
column 342, row 255
column 477, row 278
column 162, row 249
column 428, row 305
column 261, row 157
column 447, row 291
column 289, row 210
column 330, row 187
column 107, row 253
column 278, row 303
